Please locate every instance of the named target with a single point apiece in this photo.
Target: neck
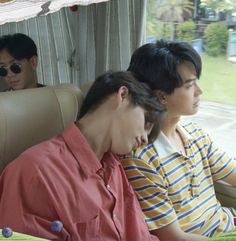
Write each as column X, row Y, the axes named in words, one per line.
column 168, row 125
column 95, row 128
column 34, row 83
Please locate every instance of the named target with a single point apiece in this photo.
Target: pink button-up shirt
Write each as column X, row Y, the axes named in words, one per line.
column 62, row 179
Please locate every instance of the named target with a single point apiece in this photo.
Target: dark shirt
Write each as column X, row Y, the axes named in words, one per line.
column 38, row 86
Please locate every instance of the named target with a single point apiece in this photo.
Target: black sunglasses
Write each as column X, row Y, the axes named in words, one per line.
column 15, row 68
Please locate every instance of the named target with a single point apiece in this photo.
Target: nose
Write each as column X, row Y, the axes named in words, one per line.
column 10, row 73
column 198, row 90
column 144, row 138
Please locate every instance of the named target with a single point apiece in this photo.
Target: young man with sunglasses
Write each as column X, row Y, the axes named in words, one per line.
column 18, row 61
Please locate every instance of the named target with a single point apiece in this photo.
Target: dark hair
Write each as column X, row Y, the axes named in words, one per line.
column 139, row 95
column 156, row 63
column 18, row 45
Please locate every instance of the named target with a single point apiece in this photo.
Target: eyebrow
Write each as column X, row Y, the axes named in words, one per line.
column 9, row 62
column 189, row 80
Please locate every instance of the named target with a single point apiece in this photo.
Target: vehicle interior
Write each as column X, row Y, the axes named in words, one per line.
column 78, row 44
column 33, row 115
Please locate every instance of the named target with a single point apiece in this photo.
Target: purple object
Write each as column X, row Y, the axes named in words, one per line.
column 234, row 221
column 56, row 226
column 7, row 232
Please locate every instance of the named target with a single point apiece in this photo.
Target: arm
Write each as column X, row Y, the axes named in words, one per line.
column 27, row 208
column 174, row 232
column 231, row 178
column 223, row 166
column 151, row 191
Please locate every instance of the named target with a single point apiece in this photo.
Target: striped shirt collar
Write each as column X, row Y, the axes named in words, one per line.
column 163, row 145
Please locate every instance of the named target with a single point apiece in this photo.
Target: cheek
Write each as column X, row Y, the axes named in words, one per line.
column 185, row 98
column 174, row 103
column 26, row 73
column 122, row 146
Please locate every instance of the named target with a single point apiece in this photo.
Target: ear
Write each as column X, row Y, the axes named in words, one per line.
column 123, row 93
column 34, row 62
column 161, row 95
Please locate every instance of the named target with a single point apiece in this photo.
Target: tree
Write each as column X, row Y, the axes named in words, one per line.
column 173, row 10
column 186, row 31
column 170, row 11
column 216, row 36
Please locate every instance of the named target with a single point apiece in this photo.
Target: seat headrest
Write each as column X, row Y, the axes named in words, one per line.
column 30, row 116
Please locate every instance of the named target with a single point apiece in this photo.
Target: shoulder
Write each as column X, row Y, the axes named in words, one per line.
column 189, row 125
column 192, row 128
column 198, row 136
column 145, row 155
column 38, row 157
column 145, row 152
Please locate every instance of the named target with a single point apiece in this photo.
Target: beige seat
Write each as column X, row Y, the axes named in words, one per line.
column 30, row 116
column 226, row 194
column 86, row 86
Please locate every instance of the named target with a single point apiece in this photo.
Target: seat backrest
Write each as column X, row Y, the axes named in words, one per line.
column 30, row 116
column 86, row 86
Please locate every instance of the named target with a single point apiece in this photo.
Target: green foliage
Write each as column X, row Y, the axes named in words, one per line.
column 159, row 29
column 167, row 31
column 218, row 79
column 164, row 14
column 186, row 31
column 216, row 36
column 172, row 10
column 151, row 28
column 151, row 21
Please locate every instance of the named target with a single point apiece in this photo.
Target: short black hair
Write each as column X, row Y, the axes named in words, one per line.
column 18, row 45
column 156, row 63
column 139, row 95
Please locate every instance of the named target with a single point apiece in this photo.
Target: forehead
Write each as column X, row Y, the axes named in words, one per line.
column 5, row 57
column 186, row 71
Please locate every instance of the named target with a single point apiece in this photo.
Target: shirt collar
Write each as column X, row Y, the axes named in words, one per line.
column 78, row 145
column 83, row 153
column 38, row 86
column 163, row 145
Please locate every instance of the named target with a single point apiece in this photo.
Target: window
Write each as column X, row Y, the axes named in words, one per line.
column 217, row 113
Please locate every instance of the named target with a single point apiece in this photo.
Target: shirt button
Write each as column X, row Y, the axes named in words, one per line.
column 108, row 186
column 114, row 215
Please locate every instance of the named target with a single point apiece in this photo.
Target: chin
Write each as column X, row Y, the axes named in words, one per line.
column 195, row 111
column 123, row 151
column 191, row 112
column 16, row 87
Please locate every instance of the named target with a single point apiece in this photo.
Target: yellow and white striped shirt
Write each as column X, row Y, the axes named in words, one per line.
column 173, row 186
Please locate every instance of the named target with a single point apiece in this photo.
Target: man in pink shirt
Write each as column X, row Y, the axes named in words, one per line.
column 76, row 178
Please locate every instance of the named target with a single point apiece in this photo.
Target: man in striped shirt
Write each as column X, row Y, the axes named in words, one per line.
column 174, row 177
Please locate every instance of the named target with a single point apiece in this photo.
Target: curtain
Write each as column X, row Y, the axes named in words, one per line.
column 76, row 46
column 18, row 10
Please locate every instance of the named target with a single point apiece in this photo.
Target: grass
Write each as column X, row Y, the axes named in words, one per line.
column 218, row 79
